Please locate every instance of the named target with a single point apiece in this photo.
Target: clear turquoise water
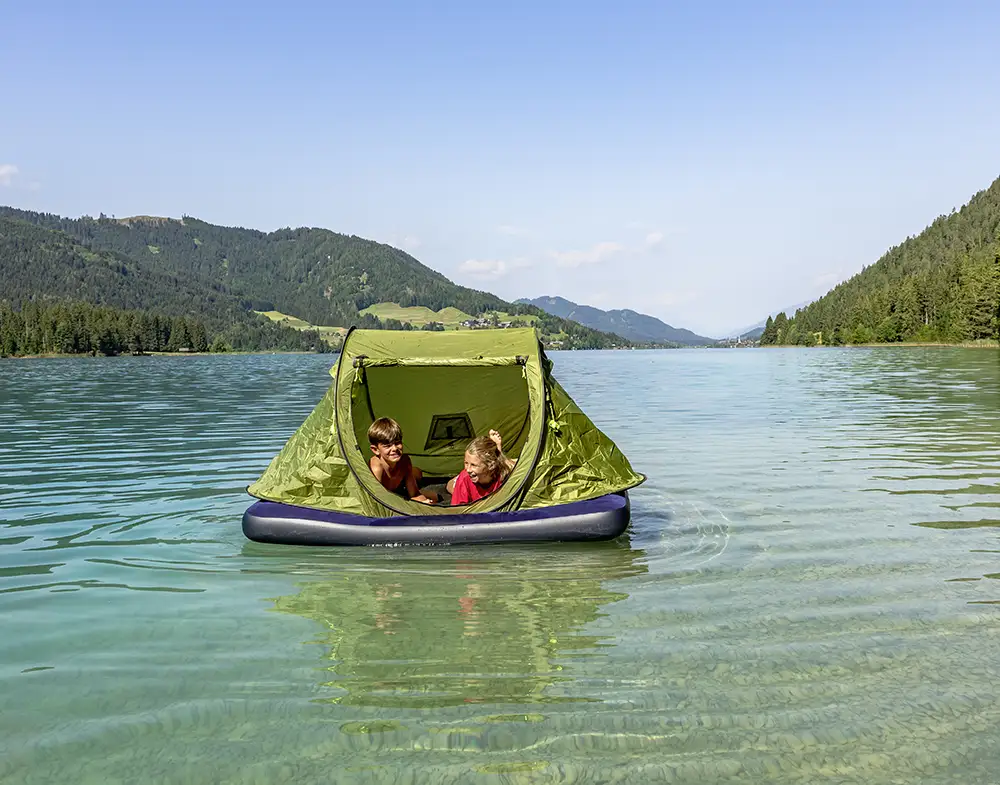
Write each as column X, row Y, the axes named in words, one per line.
column 808, row 591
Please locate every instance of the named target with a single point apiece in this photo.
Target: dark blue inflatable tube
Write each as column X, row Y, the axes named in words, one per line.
column 596, row 519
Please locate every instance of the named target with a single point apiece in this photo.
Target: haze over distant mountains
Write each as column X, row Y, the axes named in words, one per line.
column 756, row 330
column 629, row 324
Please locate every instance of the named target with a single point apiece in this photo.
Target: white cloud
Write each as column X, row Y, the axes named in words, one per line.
column 7, row 173
column 484, row 268
column 411, row 242
column 595, row 255
column 602, row 252
column 492, row 268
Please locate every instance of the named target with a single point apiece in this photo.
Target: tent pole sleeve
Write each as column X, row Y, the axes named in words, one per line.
column 384, row 362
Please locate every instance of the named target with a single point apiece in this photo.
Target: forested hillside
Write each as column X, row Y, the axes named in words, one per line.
column 320, row 276
column 317, row 275
column 61, row 281
column 940, row 286
column 38, row 262
column 82, row 328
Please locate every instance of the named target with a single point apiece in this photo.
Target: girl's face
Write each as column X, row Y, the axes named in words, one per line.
column 477, row 470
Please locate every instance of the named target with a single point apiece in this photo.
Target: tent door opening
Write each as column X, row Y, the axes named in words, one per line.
column 442, row 408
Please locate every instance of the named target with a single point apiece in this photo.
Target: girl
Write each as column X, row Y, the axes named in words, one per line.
column 486, row 469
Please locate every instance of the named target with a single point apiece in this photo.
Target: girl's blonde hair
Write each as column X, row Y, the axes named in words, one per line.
column 486, row 450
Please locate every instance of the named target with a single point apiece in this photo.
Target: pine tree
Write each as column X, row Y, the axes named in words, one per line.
column 770, row 334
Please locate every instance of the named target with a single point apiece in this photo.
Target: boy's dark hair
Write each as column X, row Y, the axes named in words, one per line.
column 385, row 430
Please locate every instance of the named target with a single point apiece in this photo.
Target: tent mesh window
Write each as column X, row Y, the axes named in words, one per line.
column 446, row 429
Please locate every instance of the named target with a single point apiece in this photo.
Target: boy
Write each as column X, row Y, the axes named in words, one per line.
column 391, row 466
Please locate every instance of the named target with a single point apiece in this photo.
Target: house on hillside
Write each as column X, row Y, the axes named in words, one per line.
column 485, row 324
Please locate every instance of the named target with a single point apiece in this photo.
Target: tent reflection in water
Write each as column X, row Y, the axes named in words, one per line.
column 509, row 628
column 443, row 388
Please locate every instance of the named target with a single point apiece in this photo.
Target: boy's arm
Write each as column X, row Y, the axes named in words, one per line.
column 413, row 487
column 413, row 481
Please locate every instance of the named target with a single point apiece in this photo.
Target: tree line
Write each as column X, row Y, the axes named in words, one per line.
column 83, row 328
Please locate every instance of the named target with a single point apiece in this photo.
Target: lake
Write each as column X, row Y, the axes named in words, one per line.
column 809, row 590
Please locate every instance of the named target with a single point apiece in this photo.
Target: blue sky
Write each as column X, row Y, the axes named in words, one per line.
column 707, row 163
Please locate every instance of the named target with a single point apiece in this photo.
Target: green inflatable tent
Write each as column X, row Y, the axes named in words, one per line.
column 444, row 388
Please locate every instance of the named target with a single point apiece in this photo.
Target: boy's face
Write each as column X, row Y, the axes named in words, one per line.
column 390, row 454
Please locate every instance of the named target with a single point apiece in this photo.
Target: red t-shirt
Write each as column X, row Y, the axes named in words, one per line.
column 467, row 491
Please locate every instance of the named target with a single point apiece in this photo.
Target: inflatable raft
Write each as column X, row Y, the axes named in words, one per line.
column 603, row 518
column 569, row 482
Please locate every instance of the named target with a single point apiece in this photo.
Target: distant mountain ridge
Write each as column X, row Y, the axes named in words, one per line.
column 629, row 324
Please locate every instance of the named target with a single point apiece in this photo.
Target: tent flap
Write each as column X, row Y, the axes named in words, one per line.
column 578, row 461
column 381, row 362
column 310, row 470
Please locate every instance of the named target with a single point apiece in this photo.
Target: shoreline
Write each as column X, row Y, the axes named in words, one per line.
column 914, row 345
column 57, row 356
column 901, row 344
column 922, row 345
column 987, row 344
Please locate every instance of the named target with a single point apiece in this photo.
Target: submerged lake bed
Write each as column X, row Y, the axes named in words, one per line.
column 808, row 591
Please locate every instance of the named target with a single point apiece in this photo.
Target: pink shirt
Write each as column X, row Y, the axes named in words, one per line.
column 467, row 491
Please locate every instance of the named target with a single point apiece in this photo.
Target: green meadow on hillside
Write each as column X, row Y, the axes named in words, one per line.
column 332, row 335
column 419, row 316
column 452, row 318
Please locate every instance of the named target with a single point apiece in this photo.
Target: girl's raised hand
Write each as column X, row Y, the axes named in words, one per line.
column 495, row 437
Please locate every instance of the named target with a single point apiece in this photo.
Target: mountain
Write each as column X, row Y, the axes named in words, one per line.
column 317, row 275
column 78, row 299
column 637, row 327
column 42, row 263
column 941, row 286
column 753, row 332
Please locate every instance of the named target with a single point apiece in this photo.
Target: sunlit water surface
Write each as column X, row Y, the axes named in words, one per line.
column 808, row 591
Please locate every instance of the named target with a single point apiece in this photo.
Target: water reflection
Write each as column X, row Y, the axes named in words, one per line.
column 431, row 629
